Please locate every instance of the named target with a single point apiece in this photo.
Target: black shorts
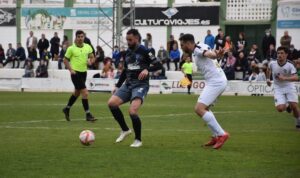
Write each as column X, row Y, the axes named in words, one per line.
column 78, row 80
column 189, row 76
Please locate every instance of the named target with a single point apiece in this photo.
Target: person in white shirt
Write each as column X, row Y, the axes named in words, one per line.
column 215, row 85
column 284, row 74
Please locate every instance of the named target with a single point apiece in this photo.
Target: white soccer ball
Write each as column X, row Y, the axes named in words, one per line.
column 87, row 137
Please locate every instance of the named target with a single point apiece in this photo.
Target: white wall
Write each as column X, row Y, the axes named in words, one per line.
column 8, row 35
column 293, row 32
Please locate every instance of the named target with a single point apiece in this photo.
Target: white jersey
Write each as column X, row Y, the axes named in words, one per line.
column 212, row 71
column 286, row 69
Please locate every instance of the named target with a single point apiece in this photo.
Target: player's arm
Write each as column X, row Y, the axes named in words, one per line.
column 268, row 75
column 155, row 65
column 214, row 54
column 67, row 58
column 291, row 78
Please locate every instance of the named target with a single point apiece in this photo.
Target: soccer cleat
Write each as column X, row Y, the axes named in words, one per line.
column 289, row 109
column 66, row 111
column 90, row 117
column 212, row 142
column 298, row 127
column 136, row 144
column 221, row 140
column 123, row 135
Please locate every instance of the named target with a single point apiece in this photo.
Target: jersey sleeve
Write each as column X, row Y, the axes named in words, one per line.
column 68, row 54
column 151, row 56
column 90, row 49
column 270, row 65
column 293, row 69
column 200, row 50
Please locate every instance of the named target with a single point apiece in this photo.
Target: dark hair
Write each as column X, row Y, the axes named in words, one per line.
column 79, row 32
column 187, row 37
column 135, row 32
column 282, row 48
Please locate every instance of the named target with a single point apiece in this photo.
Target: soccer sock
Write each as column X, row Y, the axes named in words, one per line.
column 71, row 101
column 85, row 104
column 189, row 89
column 298, row 121
column 119, row 117
column 213, row 124
column 137, row 126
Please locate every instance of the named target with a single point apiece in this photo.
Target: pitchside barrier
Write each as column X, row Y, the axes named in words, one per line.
column 60, row 81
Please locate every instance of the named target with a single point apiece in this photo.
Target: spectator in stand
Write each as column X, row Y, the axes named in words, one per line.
column 170, row 44
column 148, row 40
column 228, row 44
column 2, row 55
column 10, row 56
column 65, row 41
column 32, row 54
column 229, row 66
column 241, row 42
column 267, row 40
column 99, row 57
column 20, row 54
column 294, row 54
column 253, row 55
column 254, row 73
column 210, row 40
column 42, row 45
column 241, row 65
column 163, row 56
column 123, row 54
column 46, row 56
column 116, row 56
column 271, row 54
column 108, row 70
column 286, row 40
column 28, row 69
column 175, row 55
column 62, row 55
column 262, row 73
column 41, row 71
column 220, row 40
column 55, row 41
column 88, row 41
column 31, row 44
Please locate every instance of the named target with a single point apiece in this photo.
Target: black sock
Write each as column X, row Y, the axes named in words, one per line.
column 189, row 89
column 85, row 104
column 71, row 101
column 119, row 117
column 137, row 126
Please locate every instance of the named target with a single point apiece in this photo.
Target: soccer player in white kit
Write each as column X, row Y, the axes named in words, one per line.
column 284, row 74
column 215, row 84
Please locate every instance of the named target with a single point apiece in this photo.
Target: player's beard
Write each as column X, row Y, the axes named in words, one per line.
column 132, row 47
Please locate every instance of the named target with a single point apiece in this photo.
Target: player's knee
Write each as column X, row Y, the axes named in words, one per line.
column 280, row 109
column 111, row 104
column 200, row 111
column 133, row 111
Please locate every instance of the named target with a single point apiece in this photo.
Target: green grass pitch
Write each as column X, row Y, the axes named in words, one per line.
column 36, row 141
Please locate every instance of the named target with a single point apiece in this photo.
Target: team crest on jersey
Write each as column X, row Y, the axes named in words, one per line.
column 284, row 71
column 151, row 55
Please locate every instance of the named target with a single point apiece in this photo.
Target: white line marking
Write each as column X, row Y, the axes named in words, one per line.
column 142, row 116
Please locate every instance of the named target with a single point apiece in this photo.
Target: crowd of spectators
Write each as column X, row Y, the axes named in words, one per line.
column 242, row 61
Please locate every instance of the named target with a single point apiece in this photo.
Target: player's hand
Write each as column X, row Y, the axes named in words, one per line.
column 114, row 90
column 143, row 74
column 269, row 83
column 280, row 77
column 72, row 72
column 220, row 53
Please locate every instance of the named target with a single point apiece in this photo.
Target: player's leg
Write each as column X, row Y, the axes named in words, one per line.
column 121, row 96
column 139, row 92
column 280, row 101
column 85, row 103
column 71, row 101
column 207, row 97
column 189, row 76
column 292, row 98
column 136, row 121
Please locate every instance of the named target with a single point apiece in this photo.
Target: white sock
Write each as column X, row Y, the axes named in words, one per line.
column 298, row 121
column 213, row 124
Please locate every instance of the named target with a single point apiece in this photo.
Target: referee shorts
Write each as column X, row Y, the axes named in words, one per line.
column 78, row 80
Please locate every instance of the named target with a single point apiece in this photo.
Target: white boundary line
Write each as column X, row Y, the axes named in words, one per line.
column 143, row 116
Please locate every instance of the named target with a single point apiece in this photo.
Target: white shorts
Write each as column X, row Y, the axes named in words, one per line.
column 284, row 97
column 210, row 93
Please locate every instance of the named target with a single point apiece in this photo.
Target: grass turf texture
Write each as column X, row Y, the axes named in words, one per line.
column 36, row 141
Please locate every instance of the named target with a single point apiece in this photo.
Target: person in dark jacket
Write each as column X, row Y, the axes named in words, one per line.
column 20, row 54
column 55, row 42
column 267, row 40
column 42, row 45
column 41, row 71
